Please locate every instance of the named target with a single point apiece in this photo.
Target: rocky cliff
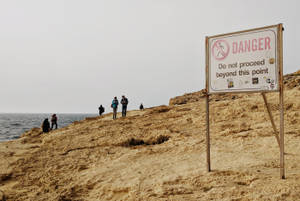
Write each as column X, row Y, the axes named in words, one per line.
column 159, row 154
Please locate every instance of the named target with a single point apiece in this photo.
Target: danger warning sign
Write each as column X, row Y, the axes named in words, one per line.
column 243, row 61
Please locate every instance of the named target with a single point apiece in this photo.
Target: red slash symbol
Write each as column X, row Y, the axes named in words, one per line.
column 220, row 49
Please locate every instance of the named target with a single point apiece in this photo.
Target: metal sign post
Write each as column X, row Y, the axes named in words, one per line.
column 271, row 118
column 207, row 113
column 281, row 86
column 246, row 61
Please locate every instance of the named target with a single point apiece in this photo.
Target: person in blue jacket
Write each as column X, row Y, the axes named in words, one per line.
column 114, row 106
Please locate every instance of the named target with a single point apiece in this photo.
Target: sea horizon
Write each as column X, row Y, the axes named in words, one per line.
column 13, row 125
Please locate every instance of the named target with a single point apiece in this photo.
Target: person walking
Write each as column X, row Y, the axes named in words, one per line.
column 46, row 126
column 101, row 110
column 114, row 106
column 124, row 103
column 54, row 121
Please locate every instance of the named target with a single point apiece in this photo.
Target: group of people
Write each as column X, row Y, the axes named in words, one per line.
column 115, row 104
column 46, row 125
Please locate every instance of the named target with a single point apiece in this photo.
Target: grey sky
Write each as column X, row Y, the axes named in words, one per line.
column 71, row 56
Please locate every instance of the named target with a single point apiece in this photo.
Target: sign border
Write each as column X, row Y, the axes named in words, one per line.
column 278, row 68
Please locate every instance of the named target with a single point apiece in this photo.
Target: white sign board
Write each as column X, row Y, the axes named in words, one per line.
column 243, row 61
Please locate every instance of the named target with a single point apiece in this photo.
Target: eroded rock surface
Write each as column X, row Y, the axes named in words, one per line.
column 159, row 154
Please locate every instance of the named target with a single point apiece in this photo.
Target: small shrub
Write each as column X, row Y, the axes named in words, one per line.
column 161, row 139
column 132, row 142
column 136, row 142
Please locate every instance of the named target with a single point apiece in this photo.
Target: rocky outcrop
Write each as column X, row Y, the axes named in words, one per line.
column 160, row 154
column 187, row 98
column 290, row 81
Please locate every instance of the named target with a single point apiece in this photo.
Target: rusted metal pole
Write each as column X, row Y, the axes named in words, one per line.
column 207, row 135
column 207, row 107
column 271, row 118
column 281, row 103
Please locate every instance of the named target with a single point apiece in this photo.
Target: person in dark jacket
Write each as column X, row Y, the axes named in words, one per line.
column 54, row 121
column 46, row 126
column 124, row 103
column 114, row 106
column 101, row 110
column 141, row 106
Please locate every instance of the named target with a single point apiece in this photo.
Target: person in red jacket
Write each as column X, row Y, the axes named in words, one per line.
column 54, row 121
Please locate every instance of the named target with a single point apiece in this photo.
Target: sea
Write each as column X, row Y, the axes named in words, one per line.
column 13, row 125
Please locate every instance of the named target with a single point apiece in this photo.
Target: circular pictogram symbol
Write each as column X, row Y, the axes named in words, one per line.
column 220, row 49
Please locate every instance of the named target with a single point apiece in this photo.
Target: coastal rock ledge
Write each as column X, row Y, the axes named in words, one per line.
column 159, row 153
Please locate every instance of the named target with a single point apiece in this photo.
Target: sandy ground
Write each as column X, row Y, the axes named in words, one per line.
column 97, row 159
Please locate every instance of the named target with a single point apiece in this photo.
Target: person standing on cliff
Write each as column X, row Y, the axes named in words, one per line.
column 101, row 110
column 46, row 126
column 124, row 103
column 54, row 121
column 141, row 106
column 114, row 106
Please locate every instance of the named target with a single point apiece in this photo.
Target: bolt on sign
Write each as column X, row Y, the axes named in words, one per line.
column 243, row 61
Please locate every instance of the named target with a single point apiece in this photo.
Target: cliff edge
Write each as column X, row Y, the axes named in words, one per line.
column 160, row 154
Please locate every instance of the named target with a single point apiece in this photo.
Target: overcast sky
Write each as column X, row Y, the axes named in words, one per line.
column 70, row 56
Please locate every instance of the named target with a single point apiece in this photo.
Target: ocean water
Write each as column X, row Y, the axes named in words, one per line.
column 13, row 125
